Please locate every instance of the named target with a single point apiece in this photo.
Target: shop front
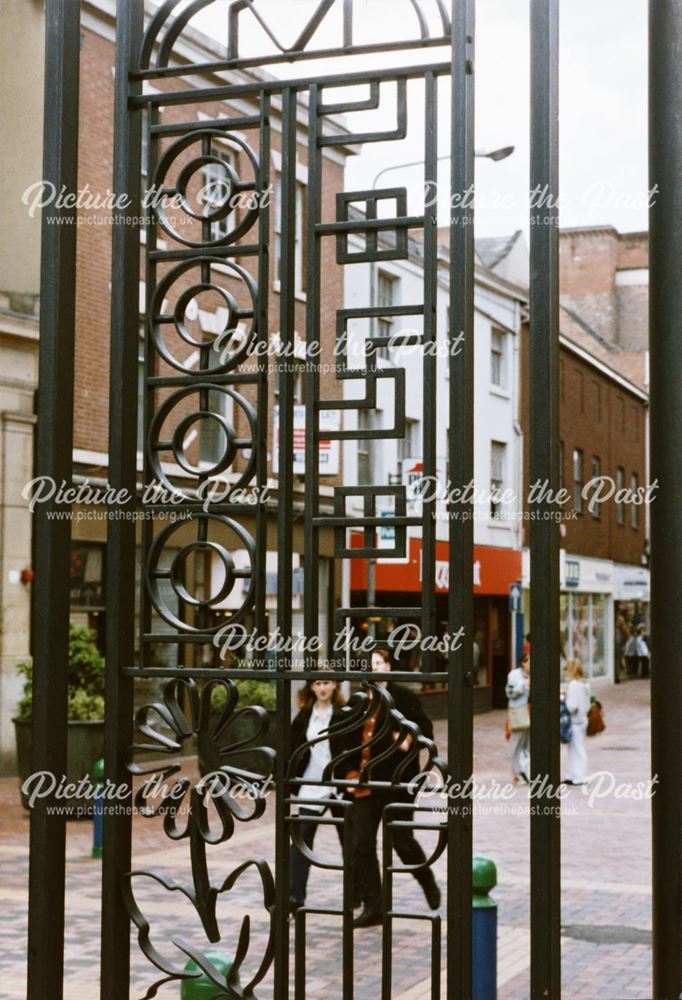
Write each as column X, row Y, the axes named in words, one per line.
column 494, row 571
column 586, row 602
column 630, row 610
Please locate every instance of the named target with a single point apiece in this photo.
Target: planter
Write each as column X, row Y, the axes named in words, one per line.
column 435, row 701
column 238, row 729
column 85, row 746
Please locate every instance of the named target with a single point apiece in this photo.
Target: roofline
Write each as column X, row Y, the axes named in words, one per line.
column 615, row 376
column 607, row 227
column 105, row 10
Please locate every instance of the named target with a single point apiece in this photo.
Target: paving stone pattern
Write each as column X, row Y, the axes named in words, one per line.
column 606, row 903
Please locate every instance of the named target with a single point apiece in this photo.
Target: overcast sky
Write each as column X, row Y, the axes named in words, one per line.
column 602, row 105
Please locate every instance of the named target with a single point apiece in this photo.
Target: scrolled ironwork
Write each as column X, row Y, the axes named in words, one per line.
column 223, row 350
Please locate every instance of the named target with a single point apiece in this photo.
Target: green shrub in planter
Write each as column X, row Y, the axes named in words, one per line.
column 261, row 694
column 85, row 678
column 250, row 693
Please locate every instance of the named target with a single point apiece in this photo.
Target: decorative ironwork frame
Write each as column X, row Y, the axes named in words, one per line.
column 148, row 54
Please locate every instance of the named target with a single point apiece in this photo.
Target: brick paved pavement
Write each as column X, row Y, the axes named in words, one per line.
column 605, row 869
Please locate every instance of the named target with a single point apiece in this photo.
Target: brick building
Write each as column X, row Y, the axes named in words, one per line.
column 604, row 574
column 196, row 342
column 192, row 325
column 604, row 282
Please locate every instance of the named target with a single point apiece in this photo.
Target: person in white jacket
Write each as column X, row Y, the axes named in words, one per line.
column 517, row 690
column 578, row 704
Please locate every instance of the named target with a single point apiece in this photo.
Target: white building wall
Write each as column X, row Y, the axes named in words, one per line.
column 496, row 410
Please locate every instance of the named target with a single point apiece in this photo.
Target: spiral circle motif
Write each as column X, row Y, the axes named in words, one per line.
column 232, row 445
column 219, row 351
column 166, row 576
column 177, row 190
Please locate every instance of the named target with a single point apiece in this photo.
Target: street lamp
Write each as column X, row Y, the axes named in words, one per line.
column 494, row 154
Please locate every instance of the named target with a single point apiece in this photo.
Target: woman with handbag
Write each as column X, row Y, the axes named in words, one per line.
column 321, row 704
column 578, row 704
column 517, row 690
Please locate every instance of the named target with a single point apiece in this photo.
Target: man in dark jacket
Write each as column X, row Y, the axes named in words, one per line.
column 370, row 802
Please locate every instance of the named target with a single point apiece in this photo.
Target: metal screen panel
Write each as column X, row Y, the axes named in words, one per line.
column 187, row 382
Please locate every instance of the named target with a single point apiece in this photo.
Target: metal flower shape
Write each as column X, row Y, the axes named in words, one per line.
column 224, row 783
column 223, row 756
column 227, row 984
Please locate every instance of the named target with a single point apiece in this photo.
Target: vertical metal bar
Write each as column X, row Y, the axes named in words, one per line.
column 461, row 462
column 149, row 391
column 125, row 283
column 261, row 541
column 52, row 538
column 387, row 906
column 665, row 325
column 435, row 957
column 545, row 826
column 429, row 337
column 299, row 954
column 285, row 495
column 347, row 929
column 312, row 383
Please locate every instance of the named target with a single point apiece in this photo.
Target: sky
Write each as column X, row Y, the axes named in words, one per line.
column 602, row 118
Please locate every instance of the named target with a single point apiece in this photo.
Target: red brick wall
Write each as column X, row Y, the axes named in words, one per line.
column 94, row 260
column 589, row 260
column 602, row 418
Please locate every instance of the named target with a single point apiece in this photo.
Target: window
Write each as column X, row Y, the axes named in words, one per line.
column 580, row 390
column 213, row 436
column 410, row 446
column 498, row 374
column 620, row 484
column 298, row 383
column 217, row 190
column 578, row 480
column 596, row 473
column 140, row 396
column 386, row 289
column 497, row 463
column 561, row 465
column 364, row 450
column 634, row 509
column 298, row 236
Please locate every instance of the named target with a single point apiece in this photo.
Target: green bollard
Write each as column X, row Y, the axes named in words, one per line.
column 98, row 810
column 202, row 988
column 484, row 929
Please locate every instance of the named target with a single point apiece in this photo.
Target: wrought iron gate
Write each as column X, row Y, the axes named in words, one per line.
column 216, row 252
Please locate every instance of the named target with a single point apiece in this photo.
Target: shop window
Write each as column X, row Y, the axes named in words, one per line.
column 584, row 631
column 634, row 509
column 620, row 485
column 578, row 480
column 87, row 576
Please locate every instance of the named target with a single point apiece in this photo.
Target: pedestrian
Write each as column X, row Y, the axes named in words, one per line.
column 370, row 802
column 517, row 690
column 642, row 652
column 321, row 704
column 578, row 705
column 631, row 655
